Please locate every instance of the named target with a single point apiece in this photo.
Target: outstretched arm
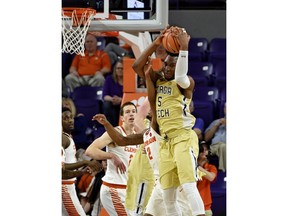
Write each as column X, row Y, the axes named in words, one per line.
column 182, row 79
column 133, row 139
column 94, row 165
column 95, row 151
column 140, row 62
column 67, row 174
column 151, row 95
column 181, row 69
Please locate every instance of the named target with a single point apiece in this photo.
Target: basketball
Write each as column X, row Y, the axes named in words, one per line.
column 170, row 43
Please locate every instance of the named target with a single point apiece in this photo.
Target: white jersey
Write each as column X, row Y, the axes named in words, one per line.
column 70, row 153
column 62, row 156
column 152, row 144
column 125, row 153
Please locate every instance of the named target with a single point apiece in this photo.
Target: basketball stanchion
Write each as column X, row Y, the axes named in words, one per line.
column 75, row 24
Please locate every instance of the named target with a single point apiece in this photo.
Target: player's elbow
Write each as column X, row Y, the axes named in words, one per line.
column 138, row 69
column 182, row 81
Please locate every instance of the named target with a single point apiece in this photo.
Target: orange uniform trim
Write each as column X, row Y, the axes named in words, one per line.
column 68, row 203
column 114, row 185
column 68, row 182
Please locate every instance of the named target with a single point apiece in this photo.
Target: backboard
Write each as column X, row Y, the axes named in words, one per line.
column 131, row 15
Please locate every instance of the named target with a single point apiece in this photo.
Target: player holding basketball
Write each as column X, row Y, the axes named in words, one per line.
column 180, row 142
column 113, row 189
column 151, row 139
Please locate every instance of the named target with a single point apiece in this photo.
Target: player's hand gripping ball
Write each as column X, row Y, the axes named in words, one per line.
column 170, row 43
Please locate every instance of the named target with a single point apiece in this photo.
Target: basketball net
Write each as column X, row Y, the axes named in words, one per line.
column 75, row 24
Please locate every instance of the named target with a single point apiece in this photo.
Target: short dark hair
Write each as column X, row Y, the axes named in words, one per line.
column 126, row 104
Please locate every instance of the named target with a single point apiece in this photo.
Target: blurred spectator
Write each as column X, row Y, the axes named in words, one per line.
column 91, row 68
column 112, row 94
column 115, row 52
column 216, row 134
column 199, row 123
column 210, row 176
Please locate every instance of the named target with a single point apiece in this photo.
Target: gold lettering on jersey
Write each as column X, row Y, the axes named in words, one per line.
column 150, row 140
column 129, row 149
column 163, row 113
column 164, row 90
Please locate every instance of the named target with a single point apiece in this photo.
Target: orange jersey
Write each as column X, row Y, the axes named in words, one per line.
column 204, row 186
column 84, row 182
column 89, row 65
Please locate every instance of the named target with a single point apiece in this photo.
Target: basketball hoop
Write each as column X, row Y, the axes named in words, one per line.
column 75, row 24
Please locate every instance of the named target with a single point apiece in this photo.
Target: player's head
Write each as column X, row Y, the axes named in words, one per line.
column 169, row 68
column 68, row 102
column 67, row 120
column 127, row 112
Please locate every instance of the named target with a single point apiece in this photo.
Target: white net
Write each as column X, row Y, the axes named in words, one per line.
column 75, row 24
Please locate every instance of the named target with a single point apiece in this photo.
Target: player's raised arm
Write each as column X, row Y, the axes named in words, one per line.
column 181, row 69
column 140, row 62
column 132, row 139
column 95, row 151
column 151, row 94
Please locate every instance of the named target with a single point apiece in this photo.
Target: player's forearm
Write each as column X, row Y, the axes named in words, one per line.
column 95, row 153
column 119, row 139
column 181, row 70
column 77, row 165
column 67, row 174
column 140, row 62
column 114, row 134
column 150, row 91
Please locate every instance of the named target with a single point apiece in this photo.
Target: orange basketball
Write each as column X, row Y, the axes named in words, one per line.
column 170, row 43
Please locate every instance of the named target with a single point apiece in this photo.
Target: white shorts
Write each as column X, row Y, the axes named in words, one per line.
column 113, row 200
column 156, row 205
column 70, row 202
